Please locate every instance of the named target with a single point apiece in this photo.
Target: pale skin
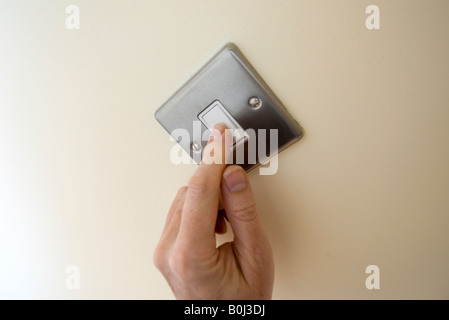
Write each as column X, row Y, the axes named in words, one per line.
column 187, row 254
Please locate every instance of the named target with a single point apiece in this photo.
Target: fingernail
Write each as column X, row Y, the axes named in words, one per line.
column 235, row 179
column 220, row 127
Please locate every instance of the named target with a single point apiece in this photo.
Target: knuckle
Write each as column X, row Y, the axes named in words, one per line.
column 246, row 211
column 199, row 185
column 182, row 190
column 185, row 263
column 179, row 263
column 159, row 259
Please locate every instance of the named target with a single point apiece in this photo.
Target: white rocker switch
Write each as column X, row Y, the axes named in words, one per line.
column 217, row 113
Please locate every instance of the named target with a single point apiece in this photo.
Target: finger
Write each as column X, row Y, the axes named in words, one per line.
column 170, row 232
column 173, row 219
column 249, row 239
column 202, row 198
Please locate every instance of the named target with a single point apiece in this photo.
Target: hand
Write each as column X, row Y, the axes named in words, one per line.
column 187, row 254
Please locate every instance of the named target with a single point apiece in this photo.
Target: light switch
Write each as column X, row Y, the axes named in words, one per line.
column 217, row 113
column 229, row 90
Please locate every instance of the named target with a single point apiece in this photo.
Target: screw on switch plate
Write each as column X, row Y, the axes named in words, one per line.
column 254, row 102
column 229, row 90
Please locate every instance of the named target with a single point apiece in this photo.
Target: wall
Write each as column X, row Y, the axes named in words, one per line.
column 85, row 176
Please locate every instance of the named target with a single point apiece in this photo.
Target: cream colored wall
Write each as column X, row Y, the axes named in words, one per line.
column 85, row 177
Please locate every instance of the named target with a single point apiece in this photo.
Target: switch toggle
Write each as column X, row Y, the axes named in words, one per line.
column 216, row 113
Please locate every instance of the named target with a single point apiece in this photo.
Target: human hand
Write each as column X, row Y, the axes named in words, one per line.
column 187, row 254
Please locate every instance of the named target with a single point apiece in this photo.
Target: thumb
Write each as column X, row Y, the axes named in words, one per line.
column 250, row 242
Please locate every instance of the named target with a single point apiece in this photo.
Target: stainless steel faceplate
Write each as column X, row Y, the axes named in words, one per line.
column 230, row 81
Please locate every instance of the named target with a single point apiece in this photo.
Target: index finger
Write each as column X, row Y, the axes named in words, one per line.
column 201, row 203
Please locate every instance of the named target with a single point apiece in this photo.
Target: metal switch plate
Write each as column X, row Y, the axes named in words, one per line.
column 229, row 90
